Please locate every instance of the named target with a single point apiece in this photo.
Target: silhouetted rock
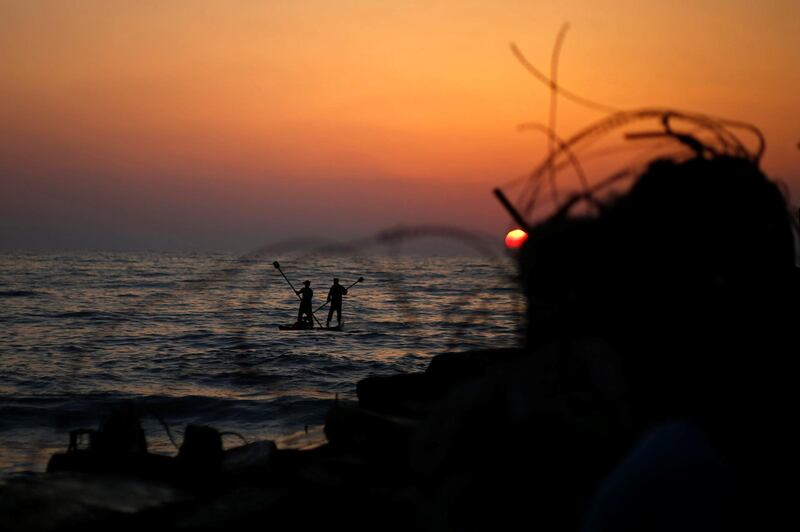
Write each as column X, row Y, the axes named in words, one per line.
column 251, row 459
column 352, row 428
column 448, row 369
column 117, row 447
column 413, row 395
column 403, row 395
column 79, row 501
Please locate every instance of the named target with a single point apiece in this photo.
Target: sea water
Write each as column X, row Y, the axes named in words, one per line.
column 194, row 338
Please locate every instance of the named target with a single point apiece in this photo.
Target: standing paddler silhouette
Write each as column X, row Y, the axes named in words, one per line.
column 335, row 297
column 306, row 294
column 305, row 309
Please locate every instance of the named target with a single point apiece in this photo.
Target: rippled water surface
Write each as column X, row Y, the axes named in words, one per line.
column 194, row 338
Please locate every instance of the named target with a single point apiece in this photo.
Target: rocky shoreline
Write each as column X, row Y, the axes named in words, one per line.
column 376, row 468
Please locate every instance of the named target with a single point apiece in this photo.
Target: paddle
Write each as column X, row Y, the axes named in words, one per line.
column 348, row 288
column 278, row 267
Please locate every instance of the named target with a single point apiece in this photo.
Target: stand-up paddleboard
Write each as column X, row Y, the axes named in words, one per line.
column 296, row 327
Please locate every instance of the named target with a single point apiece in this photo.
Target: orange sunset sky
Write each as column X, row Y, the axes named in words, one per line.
column 231, row 124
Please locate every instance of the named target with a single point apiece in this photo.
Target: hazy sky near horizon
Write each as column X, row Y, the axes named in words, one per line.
column 231, row 124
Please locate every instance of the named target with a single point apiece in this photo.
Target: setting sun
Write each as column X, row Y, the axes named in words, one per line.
column 515, row 238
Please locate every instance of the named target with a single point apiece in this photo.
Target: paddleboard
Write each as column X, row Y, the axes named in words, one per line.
column 294, row 327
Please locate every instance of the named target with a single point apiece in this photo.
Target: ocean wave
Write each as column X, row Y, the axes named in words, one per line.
column 21, row 293
column 93, row 314
column 69, row 412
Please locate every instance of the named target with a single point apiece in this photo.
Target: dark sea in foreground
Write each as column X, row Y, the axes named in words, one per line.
column 193, row 338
